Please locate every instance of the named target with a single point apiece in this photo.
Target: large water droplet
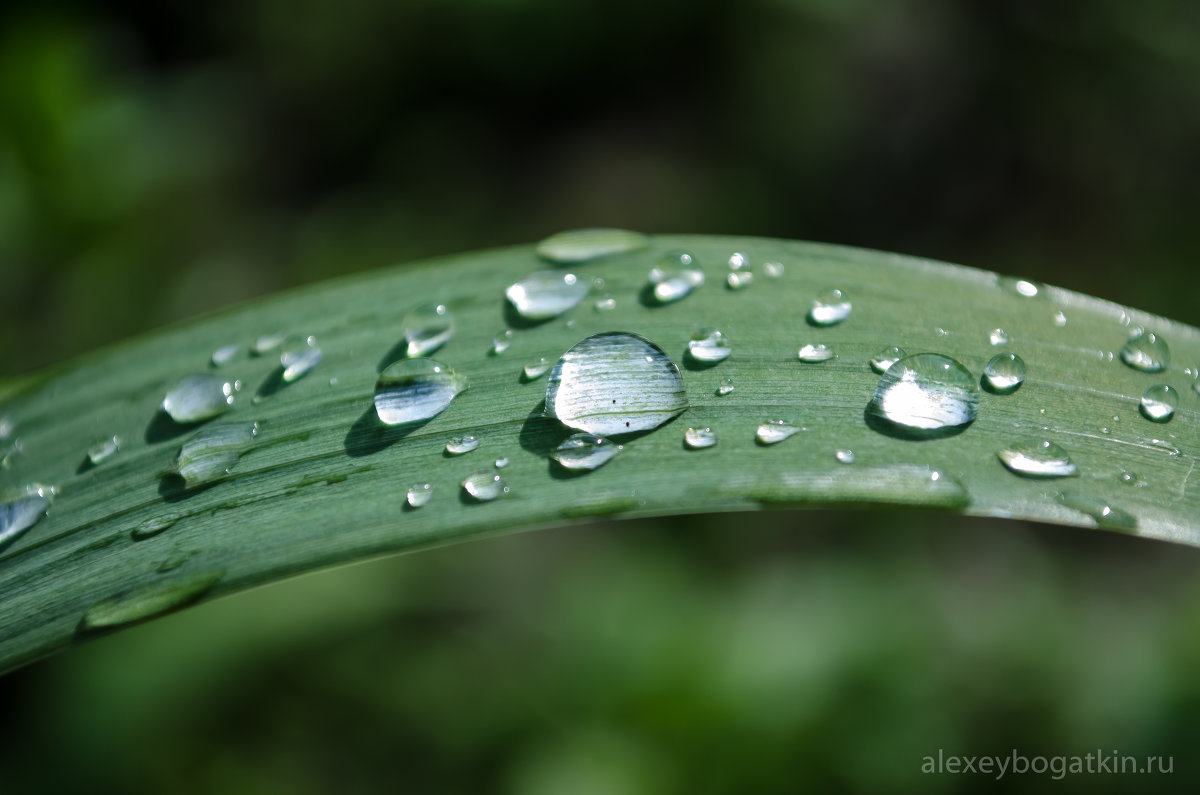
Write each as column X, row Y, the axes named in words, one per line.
column 699, row 438
column 484, row 485
column 462, row 444
column 881, row 361
column 709, row 346
column 502, row 342
column 1147, row 352
column 820, row 352
column 1104, row 513
column 150, row 601
column 212, row 452
column 829, row 308
column 299, row 356
column 585, row 451
column 998, row 336
column 675, row 277
column 1042, row 459
column 536, row 369
column 615, row 383
column 583, row 245
column 1004, row 373
column 546, row 294
column 200, row 397
column 1159, row 403
column 419, row 494
column 412, row 390
column 21, row 509
column 224, row 355
column 925, row 394
column 103, row 450
column 426, row 328
column 775, row 431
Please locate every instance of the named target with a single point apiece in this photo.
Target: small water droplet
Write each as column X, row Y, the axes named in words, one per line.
column 1004, row 373
column 155, row 525
column 584, row 245
column 299, row 356
column 606, row 304
column 224, row 354
column 819, row 352
column 845, row 456
column 212, row 452
column 22, row 508
column 1060, row 319
column 426, row 327
column 502, row 342
column 585, row 451
column 699, row 438
column 926, row 393
column 676, row 275
column 267, row 343
column 738, row 261
column 615, row 383
column 412, row 390
column 1043, row 459
column 1146, row 351
column 773, row 270
column 570, row 323
column 881, row 361
column 1132, row 479
column 709, row 345
column 1159, row 403
column 739, row 280
column 998, row 336
column 726, row 387
column 546, row 294
column 103, row 450
column 153, row 600
column 500, row 463
column 1104, row 513
column 419, row 494
column 1022, row 287
column 462, row 444
column 200, row 397
column 829, row 308
column 7, row 426
column 484, row 485
column 775, row 431
column 941, row 332
column 537, row 369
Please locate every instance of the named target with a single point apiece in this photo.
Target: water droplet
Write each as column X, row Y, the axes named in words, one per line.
column 484, row 485
column 829, row 308
column 546, row 294
column 21, row 509
column 1147, row 352
column 267, row 343
column 103, row 450
column 419, row 494
column 502, row 342
column 585, row 451
column 738, row 261
column 7, row 426
column 299, row 356
column 584, row 245
column 412, row 390
column 773, row 270
column 1060, row 319
column 844, row 456
column 739, row 280
column 1022, row 287
column 881, row 361
column 149, row 601
column 1132, row 479
column 926, row 392
column 212, row 452
column 224, row 354
column 155, row 525
column 675, row 277
column 199, row 397
column 426, row 327
column 500, row 463
column 1042, row 459
column 535, row 370
column 606, row 304
column 726, row 387
column 820, row 352
column 1004, row 373
column 615, row 383
column 699, row 438
column 461, row 444
column 998, row 336
column 709, row 345
column 775, row 431
column 1159, row 403
column 1104, row 513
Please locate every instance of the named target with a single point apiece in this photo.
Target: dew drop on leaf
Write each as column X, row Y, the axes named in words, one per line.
column 224, row 355
column 775, row 431
column 845, row 456
column 585, row 451
column 998, row 336
column 200, row 397
column 412, row 390
column 210, row 453
column 829, row 308
column 299, row 356
column 818, row 352
column 22, row 508
column 419, row 494
column 149, row 601
column 103, row 450
column 675, row 276
column 546, row 294
column 1004, row 373
column 426, row 327
column 484, row 485
column 726, row 387
column 536, row 369
column 1146, row 351
column 739, row 280
column 1043, row 459
column 460, row 445
column 927, row 392
column 502, row 342
column 699, row 438
column 1159, row 402
column 886, row 357
column 709, row 345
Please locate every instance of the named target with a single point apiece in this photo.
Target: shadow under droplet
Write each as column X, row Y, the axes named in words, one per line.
column 539, row 433
column 695, row 365
column 368, row 435
column 84, row 465
column 647, row 298
column 163, row 429
column 514, row 319
column 987, row 387
column 808, row 318
column 888, row 428
column 173, row 488
column 273, row 384
column 395, row 353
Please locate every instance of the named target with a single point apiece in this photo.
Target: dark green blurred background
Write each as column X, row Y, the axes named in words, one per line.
column 161, row 160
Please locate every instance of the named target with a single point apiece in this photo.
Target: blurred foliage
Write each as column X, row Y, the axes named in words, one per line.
column 163, row 159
